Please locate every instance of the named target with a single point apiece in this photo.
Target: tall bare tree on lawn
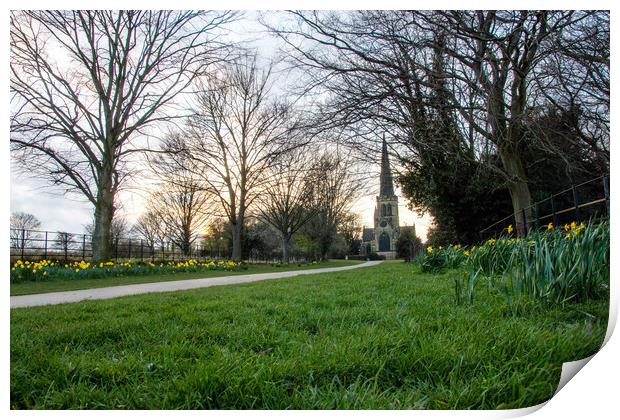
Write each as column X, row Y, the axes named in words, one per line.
column 236, row 131
column 180, row 202
column 286, row 203
column 87, row 84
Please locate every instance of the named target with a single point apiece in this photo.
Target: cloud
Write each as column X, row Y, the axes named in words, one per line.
column 56, row 212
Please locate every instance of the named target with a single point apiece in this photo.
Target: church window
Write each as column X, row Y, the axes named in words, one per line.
column 384, row 242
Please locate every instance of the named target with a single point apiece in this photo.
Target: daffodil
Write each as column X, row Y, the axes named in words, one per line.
column 550, row 226
column 429, row 249
column 510, row 229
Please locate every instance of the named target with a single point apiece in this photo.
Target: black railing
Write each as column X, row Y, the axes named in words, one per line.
column 26, row 244
column 586, row 201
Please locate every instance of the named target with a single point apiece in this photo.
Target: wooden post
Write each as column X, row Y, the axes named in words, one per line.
column 555, row 217
column 45, row 252
column 141, row 250
column 83, row 246
column 129, row 251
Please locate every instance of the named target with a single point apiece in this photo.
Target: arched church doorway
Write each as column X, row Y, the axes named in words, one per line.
column 384, row 242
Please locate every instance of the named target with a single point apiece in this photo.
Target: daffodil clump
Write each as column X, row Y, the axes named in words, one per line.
column 438, row 258
column 43, row 270
column 556, row 265
column 568, row 263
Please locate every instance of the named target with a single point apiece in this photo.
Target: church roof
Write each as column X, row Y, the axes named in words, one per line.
column 386, row 183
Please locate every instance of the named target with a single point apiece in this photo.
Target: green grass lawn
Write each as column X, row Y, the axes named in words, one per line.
column 59, row 285
column 380, row 337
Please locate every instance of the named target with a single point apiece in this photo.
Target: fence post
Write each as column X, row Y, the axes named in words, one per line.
column 141, row 250
column 45, row 252
column 606, row 190
column 116, row 248
column 83, row 246
column 129, row 251
column 536, row 215
column 23, row 241
column 555, row 217
column 576, row 201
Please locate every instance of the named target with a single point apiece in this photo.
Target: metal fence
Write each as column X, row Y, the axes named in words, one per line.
column 29, row 244
column 582, row 202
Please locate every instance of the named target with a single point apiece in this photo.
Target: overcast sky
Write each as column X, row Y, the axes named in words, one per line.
column 71, row 214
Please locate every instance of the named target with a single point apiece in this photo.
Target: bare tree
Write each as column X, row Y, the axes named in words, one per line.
column 64, row 242
column 473, row 73
column 286, row 202
column 150, row 228
column 22, row 227
column 180, row 201
column 574, row 80
column 181, row 209
column 335, row 190
column 216, row 238
column 87, row 84
column 236, row 131
column 494, row 71
column 351, row 231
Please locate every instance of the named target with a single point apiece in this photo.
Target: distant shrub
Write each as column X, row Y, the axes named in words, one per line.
column 373, row 256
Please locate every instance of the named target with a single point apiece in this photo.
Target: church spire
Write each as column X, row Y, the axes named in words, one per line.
column 386, row 184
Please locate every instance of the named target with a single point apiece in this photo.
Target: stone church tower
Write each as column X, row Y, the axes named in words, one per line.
column 382, row 238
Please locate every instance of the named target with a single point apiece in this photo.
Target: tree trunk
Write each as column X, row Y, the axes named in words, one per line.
column 518, row 188
column 236, row 241
column 102, row 237
column 187, row 246
column 285, row 244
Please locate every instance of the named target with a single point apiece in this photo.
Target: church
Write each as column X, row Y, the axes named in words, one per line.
column 383, row 237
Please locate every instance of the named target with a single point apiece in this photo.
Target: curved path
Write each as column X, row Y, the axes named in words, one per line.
column 166, row 286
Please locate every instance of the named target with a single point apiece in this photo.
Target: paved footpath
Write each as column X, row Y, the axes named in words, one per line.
column 165, row 286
